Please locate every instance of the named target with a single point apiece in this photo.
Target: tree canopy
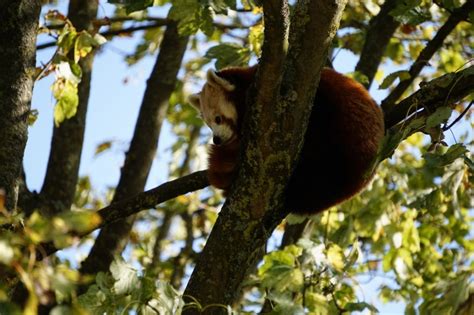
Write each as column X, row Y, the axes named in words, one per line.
column 181, row 246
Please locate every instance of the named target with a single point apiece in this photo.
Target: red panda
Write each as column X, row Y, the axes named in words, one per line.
column 340, row 146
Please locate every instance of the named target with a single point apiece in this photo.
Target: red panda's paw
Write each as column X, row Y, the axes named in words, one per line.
column 221, row 180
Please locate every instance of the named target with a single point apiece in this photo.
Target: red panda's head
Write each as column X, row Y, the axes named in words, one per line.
column 217, row 109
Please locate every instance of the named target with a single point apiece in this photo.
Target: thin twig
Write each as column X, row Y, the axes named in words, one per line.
column 459, row 117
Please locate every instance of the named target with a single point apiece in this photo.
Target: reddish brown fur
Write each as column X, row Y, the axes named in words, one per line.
column 341, row 143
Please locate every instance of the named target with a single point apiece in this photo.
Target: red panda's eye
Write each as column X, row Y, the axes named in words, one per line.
column 218, row 120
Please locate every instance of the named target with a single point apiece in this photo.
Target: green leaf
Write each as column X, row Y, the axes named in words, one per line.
column 395, row 50
column 166, row 300
column 65, row 93
column 283, row 279
column 229, row 54
column 388, row 259
column 388, row 81
column 94, row 300
column 32, row 117
column 441, row 115
column 9, row 308
column 403, row 7
column 411, row 239
column 256, row 38
column 133, row 5
column 393, row 138
column 192, row 16
column 410, row 12
column 84, row 44
column 335, row 257
column 103, row 147
column 354, row 255
column 282, row 257
column 126, row 279
column 6, row 253
column 67, row 38
column 434, row 160
column 359, row 307
column 221, row 6
column 69, row 72
column 39, row 228
column 80, row 221
column 316, row 303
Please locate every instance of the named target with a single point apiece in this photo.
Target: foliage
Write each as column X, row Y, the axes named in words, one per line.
column 412, row 227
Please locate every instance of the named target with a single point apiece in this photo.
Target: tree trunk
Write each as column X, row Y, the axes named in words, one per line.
column 254, row 207
column 18, row 29
column 63, row 166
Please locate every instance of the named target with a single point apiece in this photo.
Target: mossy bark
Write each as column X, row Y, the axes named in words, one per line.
column 280, row 105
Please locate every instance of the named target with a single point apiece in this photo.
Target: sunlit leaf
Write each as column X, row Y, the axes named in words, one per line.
column 335, row 257
column 359, row 307
column 65, row 93
column 6, row 252
column 441, row 115
column 388, row 81
column 229, row 54
column 125, row 276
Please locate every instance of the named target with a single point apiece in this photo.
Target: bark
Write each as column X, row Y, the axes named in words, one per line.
column 62, row 172
column 18, row 29
column 430, row 49
column 443, row 91
column 380, row 31
column 245, row 222
column 141, row 153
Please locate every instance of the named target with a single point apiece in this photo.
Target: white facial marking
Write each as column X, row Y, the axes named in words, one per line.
column 214, row 79
column 223, row 131
column 213, row 103
column 194, row 100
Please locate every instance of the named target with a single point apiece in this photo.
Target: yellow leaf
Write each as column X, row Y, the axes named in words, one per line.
column 335, row 257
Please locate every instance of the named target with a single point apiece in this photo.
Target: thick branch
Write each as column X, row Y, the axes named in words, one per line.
column 66, row 146
column 430, row 49
column 17, row 62
column 139, row 157
column 380, row 30
column 245, row 223
column 442, row 91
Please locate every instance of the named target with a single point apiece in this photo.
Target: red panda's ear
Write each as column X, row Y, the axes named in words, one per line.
column 195, row 101
column 214, row 79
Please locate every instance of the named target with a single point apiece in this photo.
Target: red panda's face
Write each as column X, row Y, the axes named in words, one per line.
column 216, row 109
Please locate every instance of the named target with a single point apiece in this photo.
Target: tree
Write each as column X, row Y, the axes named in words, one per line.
column 411, row 225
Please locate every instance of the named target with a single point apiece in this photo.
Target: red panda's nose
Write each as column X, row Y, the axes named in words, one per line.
column 217, row 140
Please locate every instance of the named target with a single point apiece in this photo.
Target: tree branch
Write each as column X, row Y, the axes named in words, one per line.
column 430, row 49
column 149, row 199
column 380, row 30
column 139, row 157
column 443, row 91
column 62, row 172
column 156, row 22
